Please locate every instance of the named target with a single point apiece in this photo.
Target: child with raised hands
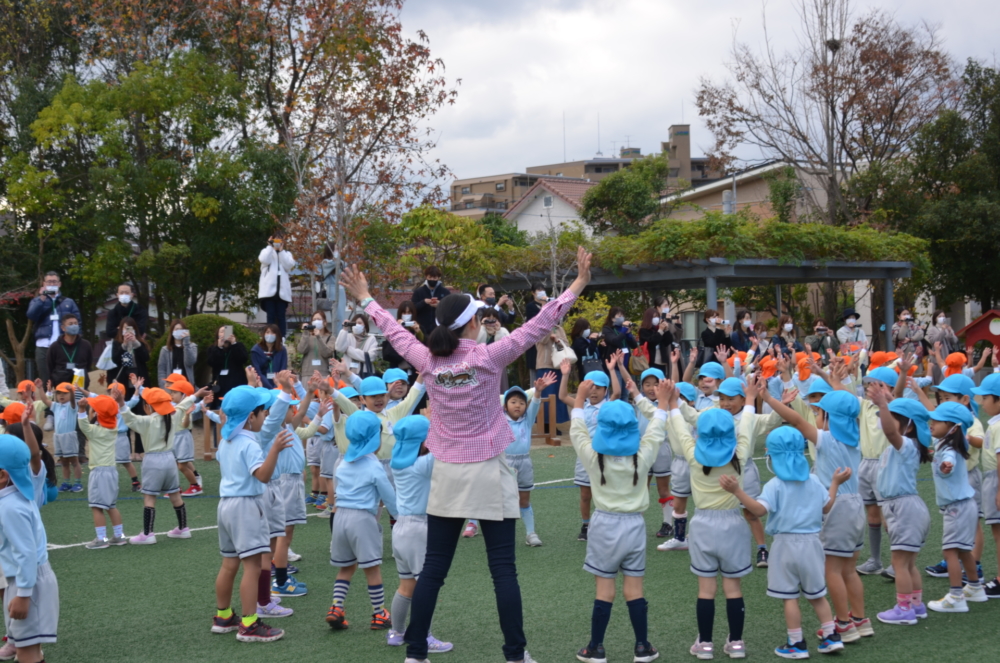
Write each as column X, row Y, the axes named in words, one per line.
column 710, row 376
column 645, row 406
column 183, row 438
column 123, row 446
column 102, row 486
column 615, row 457
column 989, row 394
column 794, row 502
column 64, row 438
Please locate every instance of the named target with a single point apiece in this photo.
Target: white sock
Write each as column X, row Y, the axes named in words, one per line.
column 668, row 513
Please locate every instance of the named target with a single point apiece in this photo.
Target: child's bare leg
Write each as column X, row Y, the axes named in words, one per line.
column 77, row 470
column 585, row 496
column 65, row 469
column 756, row 527
column 854, row 586
column 98, row 514
column 130, row 468
column 187, row 469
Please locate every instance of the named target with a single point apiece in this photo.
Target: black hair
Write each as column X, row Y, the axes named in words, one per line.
column 740, row 329
column 166, row 425
column 17, row 430
column 481, row 288
column 909, row 429
column 443, row 340
column 735, row 462
column 956, row 440
column 69, row 316
column 537, row 285
column 486, row 312
column 434, row 272
column 635, row 468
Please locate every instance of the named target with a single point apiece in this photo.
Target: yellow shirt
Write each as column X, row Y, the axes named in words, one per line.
column 752, row 426
column 975, row 430
column 102, row 442
column 705, row 489
column 151, row 426
column 873, row 440
column 306, row 432
column 388, row 417
column 618, row 494
column 991, row 445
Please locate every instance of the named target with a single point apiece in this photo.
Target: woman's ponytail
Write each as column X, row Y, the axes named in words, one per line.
column 443, row 341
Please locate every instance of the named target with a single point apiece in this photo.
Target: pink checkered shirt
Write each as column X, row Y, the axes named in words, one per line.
column 467, row 419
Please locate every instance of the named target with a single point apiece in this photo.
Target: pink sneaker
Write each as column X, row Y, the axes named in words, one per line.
column 178, row 533
column 8, row 652
column 470, row 530
column 143, row 540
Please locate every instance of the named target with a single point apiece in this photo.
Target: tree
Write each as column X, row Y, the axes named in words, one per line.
column 459, row 246
column 784, row 190
column 628, row 200
column 503, row 231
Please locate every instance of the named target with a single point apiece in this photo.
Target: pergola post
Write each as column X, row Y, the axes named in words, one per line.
column 777, row 298
column 890, row 315
column 711, row 293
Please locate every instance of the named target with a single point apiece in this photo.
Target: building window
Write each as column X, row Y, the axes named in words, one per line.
column 501, row 204
column 501, row 186
column 466, row 189
column 547, row 201
column 559, row 174
column 675, row 172
column 468, row 205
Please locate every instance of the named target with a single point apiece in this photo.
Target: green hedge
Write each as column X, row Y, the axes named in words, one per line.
column 204, row 328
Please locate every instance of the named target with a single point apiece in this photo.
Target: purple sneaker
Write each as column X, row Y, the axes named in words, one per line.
column 394, row 639
column 897, row 615
column 920, row 610
column 435, row 646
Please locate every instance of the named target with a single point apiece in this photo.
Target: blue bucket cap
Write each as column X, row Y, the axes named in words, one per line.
column 957, row 384
column 655, row 372
column 515, row 391
column 786, row 447
column 712, row 369
column 373, row 386
column 953, row 412
column 349, row 392
column 395, row 375
column 599, row 378
column 989, row 387
column 843, row 409
column 818, row 387
column 267, row 396
column 732, row 387
column 410, row 433
column 15, row 458
column 882, row 374
column 915, row 412
column 239, row 403
column 364, row 432
column 716, row 438
column 617, row 430
column 687, row 391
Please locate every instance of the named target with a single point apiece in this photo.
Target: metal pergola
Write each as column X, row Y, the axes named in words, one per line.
column 713, row 273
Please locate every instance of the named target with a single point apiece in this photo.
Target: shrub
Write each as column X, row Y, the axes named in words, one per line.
column 203, row 327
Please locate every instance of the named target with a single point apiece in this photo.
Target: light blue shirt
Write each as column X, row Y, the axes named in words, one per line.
column 897, row 470
column 590, row 413
column 522, row 429
column 38, row 484
column 362, row 483
column 413, row 486
column 293, row 459
column 131, row 403
column 238, row 459
column 802, row 385
column 64, row 415
column 703, row 402
column 920, row 382
column 830, row 455
column 794, row 507
column 327, row 423
column 954, row 486
column 23, row 544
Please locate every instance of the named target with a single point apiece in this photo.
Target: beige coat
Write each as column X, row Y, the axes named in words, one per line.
column 545, row 348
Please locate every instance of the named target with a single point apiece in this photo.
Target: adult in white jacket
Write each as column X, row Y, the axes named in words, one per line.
column 355, row 341
column 275, row 288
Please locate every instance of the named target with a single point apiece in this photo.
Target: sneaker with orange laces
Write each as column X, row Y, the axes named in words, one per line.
column 336, row 618
column 381, row 621
column 195, row 489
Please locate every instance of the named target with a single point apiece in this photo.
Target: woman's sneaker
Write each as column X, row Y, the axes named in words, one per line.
column 592, row 654
column 178, row 533
column 703, row 650
column 471, row 529
column 258, row 632
column 8, row 652
column 435, row 646
column 796, row 651
column 143, row 539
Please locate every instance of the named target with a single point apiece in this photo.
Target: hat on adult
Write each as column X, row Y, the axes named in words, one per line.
column 599, row 378
column 989, row 387
column 716, row 438
column 349, row 392
column 786, row 446
column 884, row 374
column 732, row 387
column 617, row 430
column 364, row 432
column 849, row 313
column 410, row 433
column 915, row 412
column 15, row 459
column 953, row 412
column 159, row 400
column 843, row 410
column 183, row 386
column 106, row 409
column 238, row 405
column 373, row 386
column 395, row 375
column 954, row 363
column 713, row 370
column 12, row 413
column 687, row 391
column 652, row 372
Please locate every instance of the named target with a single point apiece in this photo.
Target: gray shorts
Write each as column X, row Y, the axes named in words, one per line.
column 719, row 542
column 976, row 481
column 67, row 445
column 662, row 464
column 409, row 545
column 293, row 498
column 908, row 521
column 328, row 455
column 580, row 476
column 843, row 532
column 274, row 509
column 184, row 446
column 520, row 465
column 989, row 500
column 867, row 479
column 961, row 520
column 356, row 539
column 123, row 448
column 616, row 542
column 797, row 567
column 242, row 526
column 159, row 473
column 102, row 488
column 751, row 479
column 313, row 452
column 388, row 470
column 680, row 480
column 43, row 616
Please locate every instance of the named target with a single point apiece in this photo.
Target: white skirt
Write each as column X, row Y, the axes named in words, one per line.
column 483, row 491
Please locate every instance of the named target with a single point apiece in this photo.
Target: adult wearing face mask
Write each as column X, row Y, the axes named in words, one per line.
column 492, row 330
column 617, row 335
column 46, row 311
column 535, row 301
column 275, row 289
column 906, row 333
column 354, row 342
column 316, row 345
column 426, row 297
column 714, row 336
column 227, row 358
column 269, row 357
column 822, row 339
column 69, row 352
column 743, row 335
column 786, row 339
column 178, row 355
column 851, row 332
column 655, row 332
column 940, row 331
column 487, row 295
column 126, row 307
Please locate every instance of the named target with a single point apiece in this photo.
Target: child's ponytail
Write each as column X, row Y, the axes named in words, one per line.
column 735, row 462
column 635, row 469
column 956, row 440
column 166, row 427
column 600, row 464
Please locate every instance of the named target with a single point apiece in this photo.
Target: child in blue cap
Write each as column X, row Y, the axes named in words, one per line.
column 794, row 502
column 989, row 395
column 836, row 437
column 710, row 375
column 615, row 458
column 949, row 423
column 333, row 445
column 398, row 383
column 873, row 444
column 645, row 405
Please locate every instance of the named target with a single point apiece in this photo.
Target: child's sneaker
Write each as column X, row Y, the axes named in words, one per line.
column 77, row 487
column 665, row 532
column 735, row 648
column 673, row 544
column 847, row 632
column 394, row 639
column 533, row 540
column 975, row 594
column 381, row 620
column 117, row 541
column 225, row 625
column 863, row 626
column 762, row 558
column 97, row 544
column 435, row 646
column 143, row 539
column 992, row 589
column 178, row 533
column 939, row 570
column 65, row 487
column 979, row 572
column 871, row 567
column 920, row 610
column 949, row 604
column 326, row 513
column 192, row 491
column 292, row 587
column 136, row 486
column 293, row 556
column 897, row 615
column 272, row 609
column 258, row 632
column 796, row 651
column 320, row 503
column 8, row 652
column 311, row 499
column 582, row 536
column 831, row 643
column 703, row 650
column 889, row 572
column 336, row 618
column 471, row 529
column 592, row 654
column 645, row 653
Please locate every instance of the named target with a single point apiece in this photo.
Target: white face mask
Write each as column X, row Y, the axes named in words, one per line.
column 270, row 338
column 713, row 321
column 407, row 317
column 942, row 320
column 540, row 295
column 178, row 334
column 619, row 320
column 763, row 334
column 52, row 289
column 665, row 310
column 788, row 327
column 358, row 329
column 747, row 324
column 586, row 333
column 317, row 324
column 851, row 322
column 906, row 317
column 656, row 321
column 125, row 299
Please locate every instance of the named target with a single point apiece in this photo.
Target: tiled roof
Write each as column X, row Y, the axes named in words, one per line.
column 570, row 190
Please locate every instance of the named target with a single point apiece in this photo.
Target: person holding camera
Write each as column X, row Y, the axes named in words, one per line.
column 716, row 335
column 939, row 331
column 822, row 339
column 852, row 333
column 356, row 345
column 316, row 345
column 126, row 307
column 487, row 295
column 227, row 358
column 655, row 332
column 275, row 289
column 906, row 334
column 178, row 355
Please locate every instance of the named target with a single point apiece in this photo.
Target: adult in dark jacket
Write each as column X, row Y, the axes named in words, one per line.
column 713, row 336
column 227, row 358
column 583, row 340
column 617, row 335
column 269, row 357
column 531, row 308
column 126, row 307
column 426, row 297
column 655, row 333
column 743, row 335
column 488, row 296
column 130, row 354
column 46, row 312
column 69, row 352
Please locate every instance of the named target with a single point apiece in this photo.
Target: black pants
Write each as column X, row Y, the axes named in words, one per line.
column 442, row 537
column 274, row 308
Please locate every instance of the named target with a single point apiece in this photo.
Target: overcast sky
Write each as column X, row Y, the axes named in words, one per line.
column 523, row 63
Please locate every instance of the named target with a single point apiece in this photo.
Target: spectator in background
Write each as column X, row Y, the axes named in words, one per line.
column 906, row 334
column 405, row 317
column 786, row 339
column 491, row 330
column 316, row 345
column 269, row 357
column 130, row 354
column 655, row 333
column 546, row 362
column 743, row 334
column 46, row 312
column 69, row 352
column 227, row 358
column 487, row 295
column 617, row 335
column 939, row 331
column 822, row 339
column 178, row 354
column 851, row 333
column 714, row 336
column 275, row 289
column 126, row 307
column 426, row 297
column 356, row 342
column 763, row 342
column 531, row 308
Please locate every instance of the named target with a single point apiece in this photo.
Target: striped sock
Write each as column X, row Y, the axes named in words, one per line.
column 102, row 532
column 340, row 588
column 119, row 531
column 376, row 593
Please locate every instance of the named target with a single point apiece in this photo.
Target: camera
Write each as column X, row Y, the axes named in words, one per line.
column 726, row 322
column 306, row 326
column 821, row 330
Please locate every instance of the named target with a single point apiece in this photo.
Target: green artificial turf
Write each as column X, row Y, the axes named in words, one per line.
column 155, row 603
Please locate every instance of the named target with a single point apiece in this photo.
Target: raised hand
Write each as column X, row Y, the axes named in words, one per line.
column 355, row 283
column 565, row 367
column 546, row 381
column 753, row 389
column 788, row 396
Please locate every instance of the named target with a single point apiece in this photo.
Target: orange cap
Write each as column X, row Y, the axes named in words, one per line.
column 909, row 373
column 876, row 360
column 174, row 377
column 25, row 385
column 159, row 400
column 743, row 359
column 768, row 367
column 116, row 386
column 183, row 386
column 891, row 357
column 340, row 384
column 955, row 361
column 106, row 409
column 65, row 387
column 12, row 413
column 803, row 366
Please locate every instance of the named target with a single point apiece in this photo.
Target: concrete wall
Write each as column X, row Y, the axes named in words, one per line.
column 534, row 216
